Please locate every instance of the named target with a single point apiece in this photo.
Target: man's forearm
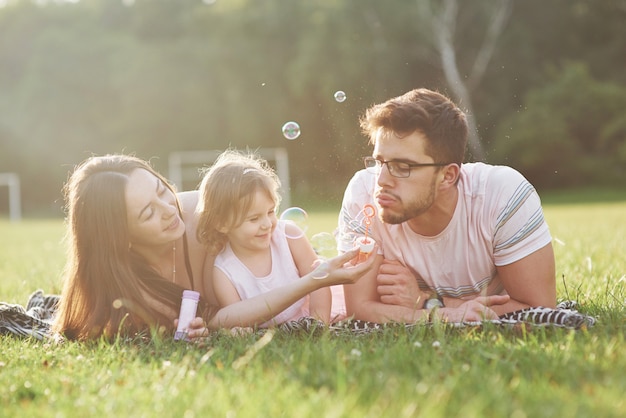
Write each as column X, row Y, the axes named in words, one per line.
column 374, row 311
column 510, row 306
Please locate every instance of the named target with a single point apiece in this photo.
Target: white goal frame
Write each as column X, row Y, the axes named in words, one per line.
column 185, row 164
column 12, row 180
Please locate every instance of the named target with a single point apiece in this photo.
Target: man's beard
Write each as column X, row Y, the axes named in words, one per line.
column 413, row 210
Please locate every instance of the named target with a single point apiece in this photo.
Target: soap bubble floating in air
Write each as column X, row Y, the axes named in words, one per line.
column 340, row 96
column 298, row 217
column 291, row 130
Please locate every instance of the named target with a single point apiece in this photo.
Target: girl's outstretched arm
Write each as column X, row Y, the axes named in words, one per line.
column 261, row 308
column 305, row 258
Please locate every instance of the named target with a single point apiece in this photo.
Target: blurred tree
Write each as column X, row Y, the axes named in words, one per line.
column 444, row 26
column 542, row 36
column 572, row 131
column 154, row 76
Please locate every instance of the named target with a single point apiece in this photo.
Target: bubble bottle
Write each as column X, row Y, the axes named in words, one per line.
column 365, row 243
column 188, row 309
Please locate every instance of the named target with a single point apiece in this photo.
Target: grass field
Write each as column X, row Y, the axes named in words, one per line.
column 425, row 372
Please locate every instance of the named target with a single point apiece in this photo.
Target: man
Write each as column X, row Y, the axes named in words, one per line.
column 468, row 239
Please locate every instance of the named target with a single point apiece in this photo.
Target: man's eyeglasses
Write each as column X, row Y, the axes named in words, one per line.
column 396, row 168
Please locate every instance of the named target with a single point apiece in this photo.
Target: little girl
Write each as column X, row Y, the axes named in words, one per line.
column 255, row 251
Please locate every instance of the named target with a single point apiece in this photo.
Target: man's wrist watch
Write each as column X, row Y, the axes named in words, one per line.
column 433, row 302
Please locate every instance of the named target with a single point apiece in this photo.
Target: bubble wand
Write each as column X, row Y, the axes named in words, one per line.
column 366, row 244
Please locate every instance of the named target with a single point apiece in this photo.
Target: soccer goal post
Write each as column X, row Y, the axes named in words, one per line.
column 12, row 180
column 185, row 167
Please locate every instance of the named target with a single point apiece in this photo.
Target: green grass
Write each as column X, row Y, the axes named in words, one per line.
column 584, row 196
column 425, row 372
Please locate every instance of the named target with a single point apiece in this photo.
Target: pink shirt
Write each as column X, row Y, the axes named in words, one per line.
column 498, row 220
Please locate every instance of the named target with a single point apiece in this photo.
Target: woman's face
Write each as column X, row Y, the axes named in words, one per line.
column 151, row 211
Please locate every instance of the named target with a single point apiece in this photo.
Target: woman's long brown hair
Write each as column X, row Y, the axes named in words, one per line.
column 108, row 288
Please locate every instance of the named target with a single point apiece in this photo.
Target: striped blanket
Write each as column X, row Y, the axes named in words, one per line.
column 34, row 321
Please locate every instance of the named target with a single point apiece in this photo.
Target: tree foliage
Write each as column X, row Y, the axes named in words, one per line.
column 155, row 76
column 570, row 133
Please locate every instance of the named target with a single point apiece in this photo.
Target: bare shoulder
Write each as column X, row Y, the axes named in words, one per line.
column 188, row 200
column 196, row 251
column 293, row 231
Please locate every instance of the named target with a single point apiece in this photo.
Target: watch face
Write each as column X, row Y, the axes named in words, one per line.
column 433, row 303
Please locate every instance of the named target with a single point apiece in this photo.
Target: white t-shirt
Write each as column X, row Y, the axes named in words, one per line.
column 284, row 271
column 498, row 220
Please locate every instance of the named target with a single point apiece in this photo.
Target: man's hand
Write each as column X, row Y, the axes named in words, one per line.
column 473, row 310
column 397, row 286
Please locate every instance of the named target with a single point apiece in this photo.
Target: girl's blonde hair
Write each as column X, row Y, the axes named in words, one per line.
column 226, row 193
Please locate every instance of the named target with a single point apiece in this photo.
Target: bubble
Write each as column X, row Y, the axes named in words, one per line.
column 298, row 217
column 340, row 96
column 117, row 303
column 348, row 239
column 324, row 244
column 321, row 269
column 358, row 226
column 291, row 130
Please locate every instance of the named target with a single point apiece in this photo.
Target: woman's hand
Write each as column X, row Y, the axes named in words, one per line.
column 197, row 328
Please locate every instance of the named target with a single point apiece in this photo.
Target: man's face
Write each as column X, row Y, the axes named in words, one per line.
column 401, row 199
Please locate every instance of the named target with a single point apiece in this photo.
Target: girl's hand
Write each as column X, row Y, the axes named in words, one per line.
column 342, row 270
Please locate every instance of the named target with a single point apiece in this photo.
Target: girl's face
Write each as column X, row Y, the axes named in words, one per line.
column 151, row 211
column 255, row 233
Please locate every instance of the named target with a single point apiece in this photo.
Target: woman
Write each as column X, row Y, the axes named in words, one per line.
column 133, row 250
column 130, row 254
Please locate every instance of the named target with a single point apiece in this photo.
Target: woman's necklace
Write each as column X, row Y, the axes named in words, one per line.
column 174, row 262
